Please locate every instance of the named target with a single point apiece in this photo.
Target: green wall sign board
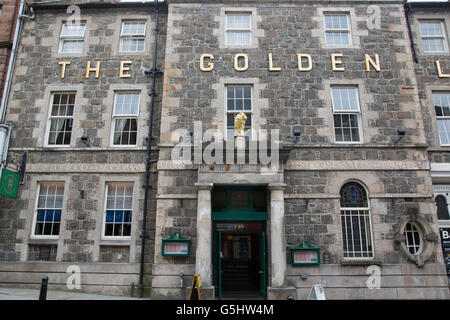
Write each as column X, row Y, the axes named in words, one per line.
column 305, row 254
column 175, row 245
column 9, row 185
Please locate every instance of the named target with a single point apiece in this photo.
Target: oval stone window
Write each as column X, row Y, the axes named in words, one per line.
column 413, row 241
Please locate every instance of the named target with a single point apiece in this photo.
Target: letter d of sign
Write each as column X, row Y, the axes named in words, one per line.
column 210, row 65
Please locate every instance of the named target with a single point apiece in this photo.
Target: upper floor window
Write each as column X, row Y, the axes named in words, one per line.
column 346, row 114
column 72, row 38
column 125, row 118
column 132, row 36
column 337, row 30
column 238, row 29
column 61, row 119
column 49, row 209
column 433, row 36
column 239, row 99
column 442, row 108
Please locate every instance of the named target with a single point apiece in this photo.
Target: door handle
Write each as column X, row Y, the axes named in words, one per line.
column 261, row 272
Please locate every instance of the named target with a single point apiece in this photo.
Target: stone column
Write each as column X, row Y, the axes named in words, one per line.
column 203, row 260
column 277, row 235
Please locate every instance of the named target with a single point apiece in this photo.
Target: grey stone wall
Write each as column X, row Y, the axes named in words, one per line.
column 38, row 74
column 289, row 99
column 428, row 79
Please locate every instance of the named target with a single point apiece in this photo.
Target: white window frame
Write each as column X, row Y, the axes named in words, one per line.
column 442, row 117
column 443, row 36
column 348, row 30
column 238, row 30
column 63, row 38
column 36, row 208
column 235, row 112
column 107, row 184
column 125, row 116
column 406, row 243
column 357, row 112
column 137, row 36
column 367, row 213
column 50, row 118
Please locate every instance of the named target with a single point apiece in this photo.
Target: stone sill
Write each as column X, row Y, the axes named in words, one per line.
column 345, row 262
column 123, row 243
column 43, row 241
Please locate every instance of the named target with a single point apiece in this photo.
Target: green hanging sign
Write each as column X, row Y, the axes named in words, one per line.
column 9, row 185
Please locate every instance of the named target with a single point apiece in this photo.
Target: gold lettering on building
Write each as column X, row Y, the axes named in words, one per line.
column 271, row 67
column 304, row 63
column 300, row 56
column 440, row 73
column 236, row 62
column 375, row 64
column 122, row 69
column 63, row 68
column 89, row 69
column 335, row 62
column 210, row 65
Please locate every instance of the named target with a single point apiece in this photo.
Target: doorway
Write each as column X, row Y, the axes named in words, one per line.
column 239, row 242
column 240, row 260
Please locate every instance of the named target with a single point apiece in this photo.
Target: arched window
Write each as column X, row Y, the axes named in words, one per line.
column 355, row 220
column 442, row 209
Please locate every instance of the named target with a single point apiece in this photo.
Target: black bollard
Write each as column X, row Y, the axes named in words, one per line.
column 43, row 292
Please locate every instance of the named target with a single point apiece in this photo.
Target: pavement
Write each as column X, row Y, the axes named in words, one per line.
column 33, row 294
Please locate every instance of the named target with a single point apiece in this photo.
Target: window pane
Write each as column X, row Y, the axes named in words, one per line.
column 126, row 104
column 353, row 195
column 431, row 29
column 238, row 38
column 118, row 221
column 238, row 21
column 433, row 45
column 132, row 45
column 61, row 119
column 346, row 127
column 48, row 211
column 345, row 99
column 73, row 30
column 444, row 131
column 72, row 46
column 133, row 28
column 125, row 132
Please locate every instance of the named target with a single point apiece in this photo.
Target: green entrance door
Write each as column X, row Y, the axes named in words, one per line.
column 239, row 250
column 262, row 264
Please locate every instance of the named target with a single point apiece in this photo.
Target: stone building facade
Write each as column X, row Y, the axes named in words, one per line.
column 9, row 10
column 432, row 72
column 79, row 107
column 330, row 86
column 214, row 49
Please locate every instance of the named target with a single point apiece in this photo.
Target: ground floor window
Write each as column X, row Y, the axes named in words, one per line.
column 118, row 215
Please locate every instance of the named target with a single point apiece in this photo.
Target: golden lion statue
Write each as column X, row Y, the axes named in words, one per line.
column 239, row 123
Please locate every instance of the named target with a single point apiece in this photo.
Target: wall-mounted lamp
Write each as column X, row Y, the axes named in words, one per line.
column 400, row 134
column 297, row 133
column 85, row 139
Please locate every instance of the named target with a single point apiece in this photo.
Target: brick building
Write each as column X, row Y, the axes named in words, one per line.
column 329, row 87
